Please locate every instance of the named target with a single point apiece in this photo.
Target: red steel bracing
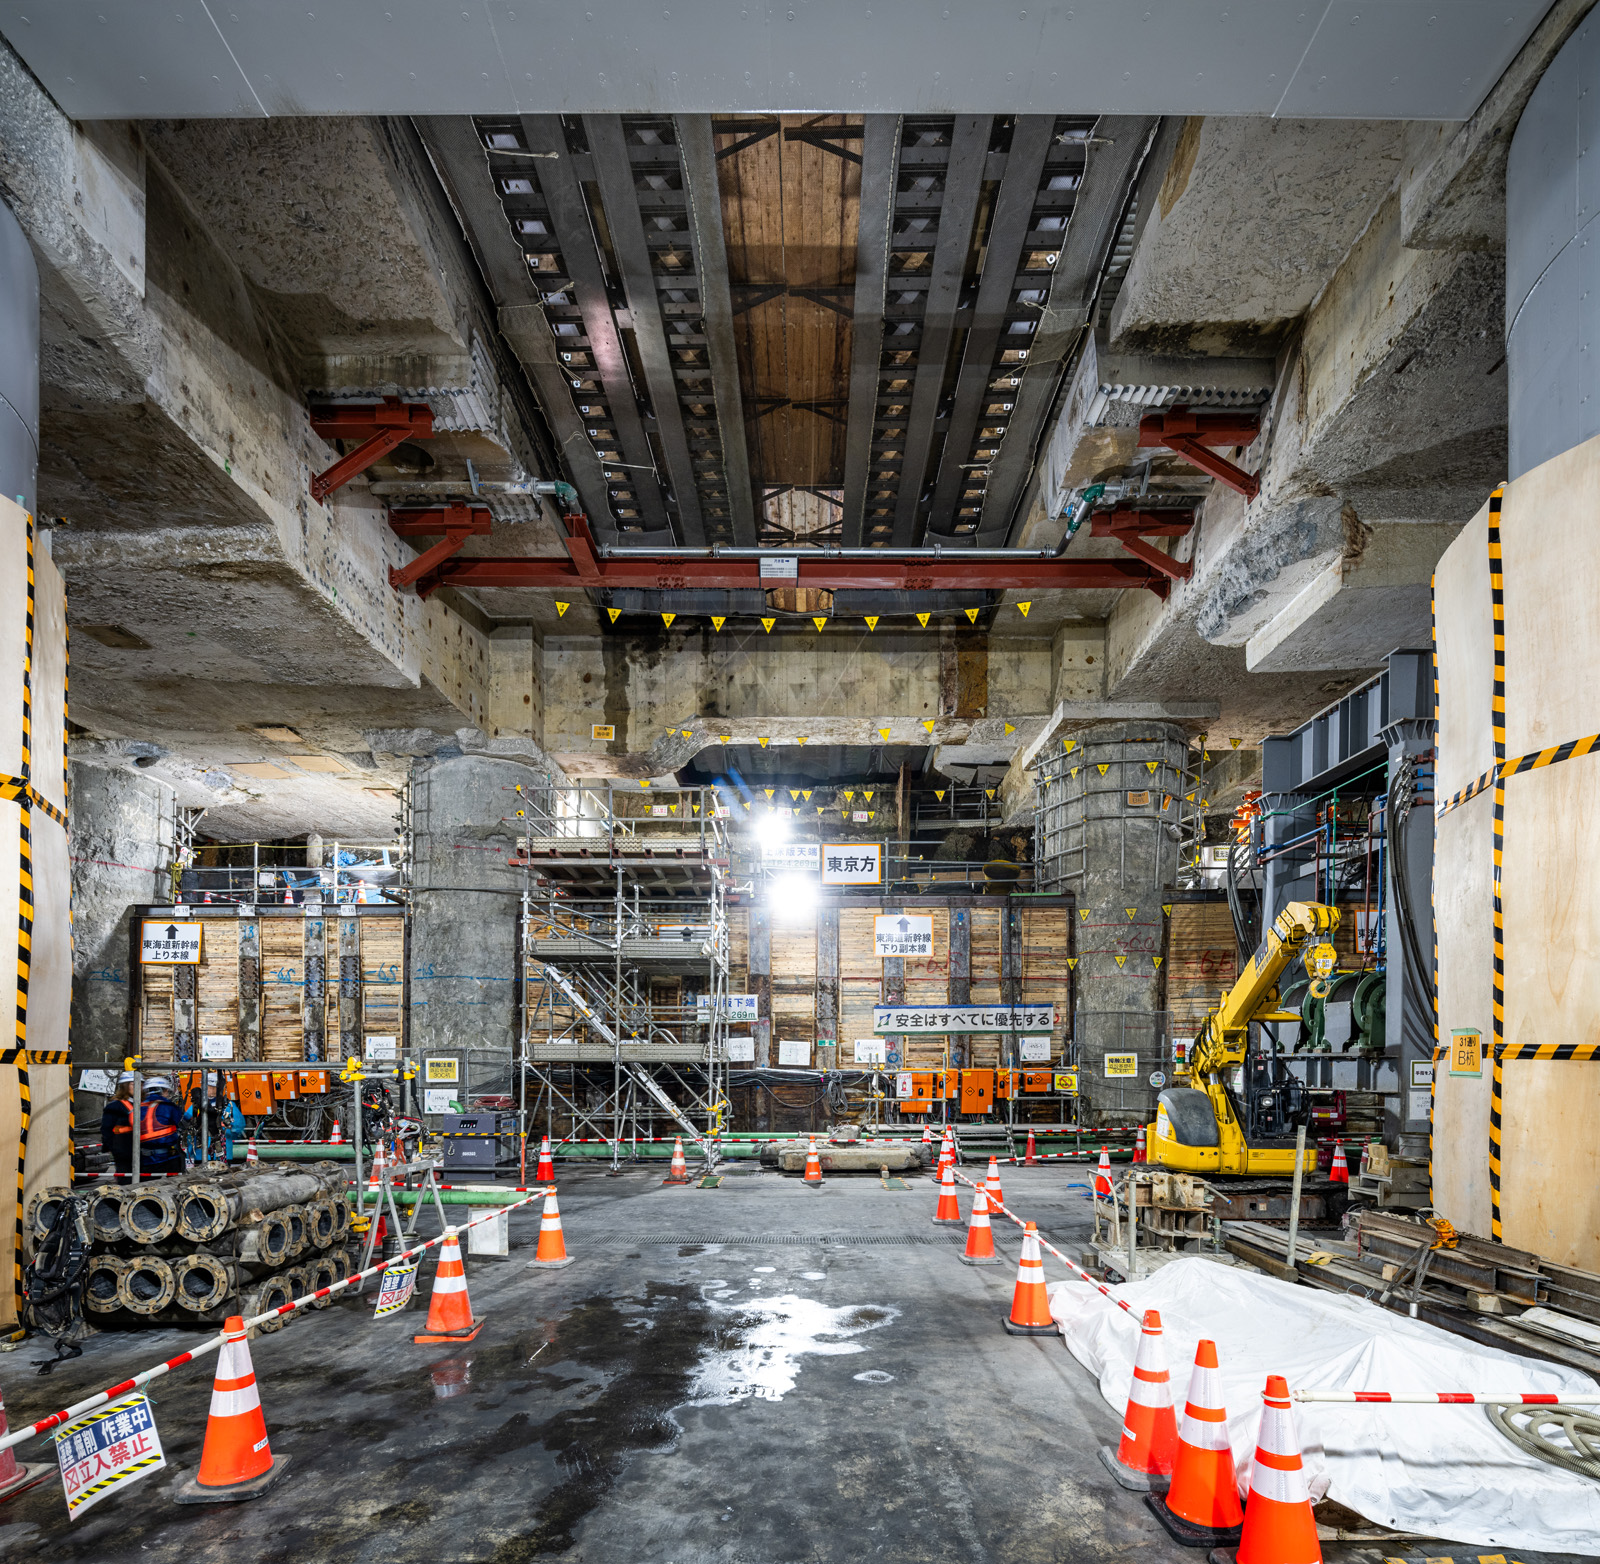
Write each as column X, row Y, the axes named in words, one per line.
column 1071, row 1265
column 379, row 426
column 78, row 1408
column 1189, row 435
column 1134, row 528
column 457, row 522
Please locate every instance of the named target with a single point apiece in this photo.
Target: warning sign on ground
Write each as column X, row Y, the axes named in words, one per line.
column 394, row 1292
column 167, row 943
column 110, row 1447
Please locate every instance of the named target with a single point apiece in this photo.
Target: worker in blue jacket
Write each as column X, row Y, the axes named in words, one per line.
column 160, row 1130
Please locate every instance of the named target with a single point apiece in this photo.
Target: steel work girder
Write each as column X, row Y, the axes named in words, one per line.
column 1189, row 434
column 456, row 521
column 380, row 426
column 1132, row 528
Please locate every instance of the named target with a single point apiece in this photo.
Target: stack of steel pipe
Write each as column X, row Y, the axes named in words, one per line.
column 215, row 1241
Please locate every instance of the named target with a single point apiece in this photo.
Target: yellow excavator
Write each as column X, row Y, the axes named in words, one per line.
column 1239, row 1113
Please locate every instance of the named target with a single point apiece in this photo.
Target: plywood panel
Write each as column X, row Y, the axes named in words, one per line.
column 1046, row 977
column 155, row 1012
column 1201, row 962
column 217, row 980
column 1466, row 657
column 985, row 948
column 282, row 982
column 857, row 956
column 1550, row 1196
column 857, row 996
column 383, row 952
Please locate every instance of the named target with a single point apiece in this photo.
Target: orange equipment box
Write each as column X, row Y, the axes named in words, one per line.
column 921, row 1098
column 947, row 1084
column 977, row 1091
column 1037, row 1080
column 1007, row 1084
column 255, row 1093
column 284, row 1086
column 313, row 1082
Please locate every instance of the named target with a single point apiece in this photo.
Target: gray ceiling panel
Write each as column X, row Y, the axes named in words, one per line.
column 1413, row 59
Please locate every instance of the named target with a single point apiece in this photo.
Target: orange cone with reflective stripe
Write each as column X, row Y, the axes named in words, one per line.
column 1032, row 1158
column 1201, row 1508
column 1339, row 1173
column 251, row 1157
column 1149, row 1443
column 1138, row 1146
column 237, row 1460
column 545, row 1173
column 1279, row 1527
column 813, row 1166
column 1102, row 1173
column 949, row 1208
column 13, row 1475
column 992, row 1185
column 947, row 1149
column 552, row 1250
column 375, row 1177
column 337, row 1137
column 449, row 1309
column 678, row 1173
column 1030, row 1304
column 980, row 1236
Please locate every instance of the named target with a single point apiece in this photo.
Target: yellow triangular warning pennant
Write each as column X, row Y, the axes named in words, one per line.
column 1236, row 742
column 1122, row 960
column 872, row 621
column 1205, row 755
column 667, row 619
column 819, row 620
column 972, row 615
column 697, row 809
column 867, row 796
column 1188, row 798
column 767, row 624
column 612, row 611
column 763, row 742
column 1166, row 908
column 725, row 738
column 1083, row 914
column 1156, row 959
column 644, row 782
column 1075, row 770
column 849, row 796
column 794, row 793
column 1067, row 744
column 1150, row 766
column 1102, row 768
column 673, row 808
column 883, row 733
column 922, row 619
column 745, row 802
column 686, row 733
column 872, row 814
column 1022, row 608
column 800, row 738
column 1072, row 961
column 1130, row 912
column 1011, row 727
column 718, row 621
column 927, row 722
column 939, row 793
column 819, row 809
column 805, row 793
column 561, row 609
column 989, row 791
column 769, row 791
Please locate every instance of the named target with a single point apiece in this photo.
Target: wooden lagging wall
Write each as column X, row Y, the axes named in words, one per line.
column 1044, row 976
column 1201, row 962
column 281, row 988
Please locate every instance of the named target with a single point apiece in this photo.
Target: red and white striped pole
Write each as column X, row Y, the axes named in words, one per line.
column 1447, row 1398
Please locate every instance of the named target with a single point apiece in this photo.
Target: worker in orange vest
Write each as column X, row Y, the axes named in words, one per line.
column 160, row 1129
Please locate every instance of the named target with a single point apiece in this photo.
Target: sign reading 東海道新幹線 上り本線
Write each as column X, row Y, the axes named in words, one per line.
column 963, row 1018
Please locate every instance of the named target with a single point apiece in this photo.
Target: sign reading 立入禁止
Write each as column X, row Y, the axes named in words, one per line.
column 395, row 1290
column 963, row 1018
column 902, row 934
column 164, row 942
column 852, row 863
column 111, row 1446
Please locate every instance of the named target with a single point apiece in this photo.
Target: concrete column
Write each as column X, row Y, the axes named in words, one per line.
column 1119, row 857
column 19, row 365
column 466, row 900
column 122, row 835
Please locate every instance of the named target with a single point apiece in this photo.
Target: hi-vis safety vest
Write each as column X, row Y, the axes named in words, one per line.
column 150, row 1131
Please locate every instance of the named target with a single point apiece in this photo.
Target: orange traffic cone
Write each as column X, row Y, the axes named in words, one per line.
column 375, row 1178
column 1149, row 1443
column 251, row 1157
column 545, row 1173
column 13, row 1475
column 449, row 1309
column 1279, row 1527
column 552, row 1253
column 813, row 1166
column 1032, row 1158
column 1339, row 1173
column 947, row 1148
column 948, row 1209
column 678, row 1173
column 992, row 1185
column 927, row 1144
column 1030, row 1304
column 1201, row 1508
column 1102, row 1173
column 1138, row 1145
column 337, row 1137
column 980, row 1236
column 236, row 1462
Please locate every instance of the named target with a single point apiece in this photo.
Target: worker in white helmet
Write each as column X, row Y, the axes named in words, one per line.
column 160, row 1129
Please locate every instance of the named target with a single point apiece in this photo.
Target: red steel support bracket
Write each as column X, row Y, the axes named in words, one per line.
column 381, row 428
column 458, row 523
column 1189, row 434
column 1131, row 528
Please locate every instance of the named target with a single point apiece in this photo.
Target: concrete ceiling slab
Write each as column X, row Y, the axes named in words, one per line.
column 1333, row 59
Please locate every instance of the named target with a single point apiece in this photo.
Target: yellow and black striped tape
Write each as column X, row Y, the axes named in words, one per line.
column 24, row 937
column 1559, row 1051
column 1497, row 717
column 23, row 791
column 1571, row 750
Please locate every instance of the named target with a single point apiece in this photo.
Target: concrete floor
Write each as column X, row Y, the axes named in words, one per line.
column 829, row 1402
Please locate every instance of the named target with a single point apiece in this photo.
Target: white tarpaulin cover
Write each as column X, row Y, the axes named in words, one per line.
column 1439, row 1471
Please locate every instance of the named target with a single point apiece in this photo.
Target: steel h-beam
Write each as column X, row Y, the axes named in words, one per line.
column 1002, row 258
column 608, row 150
column 1132, row 528
column 1189, row 434
column 569, row 215
column 698, row 154
column 880, row 146
column 963, row 183
column 456, row 521
column 380, row 427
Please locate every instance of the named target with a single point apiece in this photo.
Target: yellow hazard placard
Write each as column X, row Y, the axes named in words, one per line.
column 1121, row 1066
column 442, row 1070
column 602, row 732
column 1466, row 1052
column 1066, row 1081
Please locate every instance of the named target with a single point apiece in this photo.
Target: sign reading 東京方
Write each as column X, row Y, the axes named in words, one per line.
column 964, row 1018
column 852, row 863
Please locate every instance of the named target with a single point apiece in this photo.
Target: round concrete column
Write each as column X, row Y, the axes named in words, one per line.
column 1553, row 259
column 1108, row 834
column 19, row 365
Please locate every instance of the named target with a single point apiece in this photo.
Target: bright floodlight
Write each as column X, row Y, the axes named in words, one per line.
column 772, row 828
column 793, row 895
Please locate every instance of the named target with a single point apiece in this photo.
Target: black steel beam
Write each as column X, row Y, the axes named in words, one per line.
column 1002, row 257
column 880, row 145
column 697, row 151
column 963, row 184
column 1114, row 157
column 462, row 163
column 613, row 169
column 569, row 216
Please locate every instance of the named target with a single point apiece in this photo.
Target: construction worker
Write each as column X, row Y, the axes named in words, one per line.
column 160, row 1129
